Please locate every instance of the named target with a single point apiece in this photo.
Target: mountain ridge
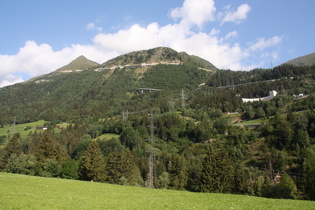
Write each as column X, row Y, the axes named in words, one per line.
column 141, row 58
column 307, row 60
column 158, row 55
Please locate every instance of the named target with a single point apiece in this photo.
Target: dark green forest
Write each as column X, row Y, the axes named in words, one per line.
column 188, row 132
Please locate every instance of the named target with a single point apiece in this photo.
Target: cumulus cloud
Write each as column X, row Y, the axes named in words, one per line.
column 218, row 48
column 10, row 79
column 196, row 12
column 263, row 43
column 235, row 16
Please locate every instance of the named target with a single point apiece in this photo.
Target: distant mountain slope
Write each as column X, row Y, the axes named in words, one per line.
column 303, row 60
column 79, row 63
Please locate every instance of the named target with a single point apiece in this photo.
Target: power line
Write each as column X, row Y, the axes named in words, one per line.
column 13, row 127
column 183, row 98
column 151, row 175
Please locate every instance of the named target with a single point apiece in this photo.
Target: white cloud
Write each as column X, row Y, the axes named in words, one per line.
column 263, row 43
column 230, row 35
column 37, row 59
column 10, row 79
column 92, row 26
column 235, row 16
column 196, row 12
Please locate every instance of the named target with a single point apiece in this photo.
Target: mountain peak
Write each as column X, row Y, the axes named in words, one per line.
column 79, row 63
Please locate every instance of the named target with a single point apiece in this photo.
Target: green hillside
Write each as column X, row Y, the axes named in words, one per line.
column 306, row 60
column 28, row 192
column 79, row 63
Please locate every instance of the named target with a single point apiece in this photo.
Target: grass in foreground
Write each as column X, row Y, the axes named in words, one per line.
column 28, row 192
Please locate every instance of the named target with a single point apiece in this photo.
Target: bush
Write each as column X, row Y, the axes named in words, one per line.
column 70, row 169
column 286, row 189
column 22, row 164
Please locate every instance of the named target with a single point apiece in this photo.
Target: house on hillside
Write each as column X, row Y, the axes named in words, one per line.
column 272, row 94
column 41, row 128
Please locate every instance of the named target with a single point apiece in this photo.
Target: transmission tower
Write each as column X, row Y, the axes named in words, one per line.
column 13, row 127
column 150, row 181
column 171, row 104
column 183, row 98
column 125, row 115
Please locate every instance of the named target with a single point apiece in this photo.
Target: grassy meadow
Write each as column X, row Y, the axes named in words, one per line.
column 8, row 130
column 29, row 192
column 107, row 136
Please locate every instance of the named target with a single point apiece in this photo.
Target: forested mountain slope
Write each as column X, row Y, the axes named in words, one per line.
column 68, row 91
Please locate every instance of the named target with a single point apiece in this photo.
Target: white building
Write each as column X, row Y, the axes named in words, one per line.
column 272, row 94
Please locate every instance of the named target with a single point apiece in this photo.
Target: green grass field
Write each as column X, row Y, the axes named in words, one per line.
column 107, row 136
column 19, row 128
column 8, row 130
column 29, row 192
column 251, row 122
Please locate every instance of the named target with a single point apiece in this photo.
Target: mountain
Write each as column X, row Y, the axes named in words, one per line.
column 79, row 63
column 85, row 88
column 307, row 60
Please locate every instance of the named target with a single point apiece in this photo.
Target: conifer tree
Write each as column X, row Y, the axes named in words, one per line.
column 240, row 179
column 122, row 165
column 113, row 167
column 93, row 163
column 177, row 172
column 216, row 174
column 13, row 147
column 46, row 148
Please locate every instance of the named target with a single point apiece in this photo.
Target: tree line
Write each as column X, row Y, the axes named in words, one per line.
column 210, row 155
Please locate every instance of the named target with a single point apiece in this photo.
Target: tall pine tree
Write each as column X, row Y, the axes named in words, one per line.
column 177, row 172
column 217, row 173
column 93, row 164
column 13, row 147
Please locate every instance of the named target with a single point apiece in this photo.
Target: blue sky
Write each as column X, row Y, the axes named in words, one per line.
column 38, row 36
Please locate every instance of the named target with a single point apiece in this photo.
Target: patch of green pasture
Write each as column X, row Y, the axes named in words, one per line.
column 107, row 136
column 20, row 128
column 63, row 125
column 251, row 122
column 29, row 192
column 9, row 130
